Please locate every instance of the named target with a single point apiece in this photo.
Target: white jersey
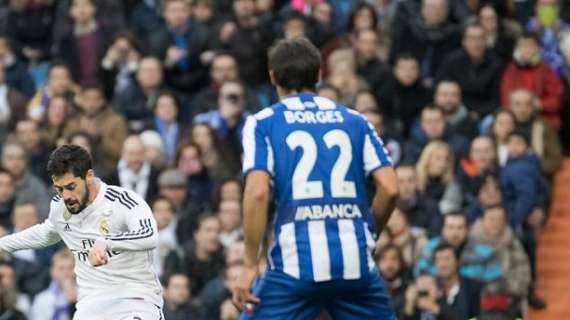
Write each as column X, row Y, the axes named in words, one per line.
column 125, row 221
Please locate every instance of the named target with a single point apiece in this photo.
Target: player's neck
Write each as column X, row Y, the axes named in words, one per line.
column 284, row 93
column 94, row 190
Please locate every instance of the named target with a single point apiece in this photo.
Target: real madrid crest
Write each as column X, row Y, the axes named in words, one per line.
column 66, row 215
column 104, row 226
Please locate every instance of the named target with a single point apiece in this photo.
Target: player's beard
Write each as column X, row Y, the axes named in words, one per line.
column 82, row 203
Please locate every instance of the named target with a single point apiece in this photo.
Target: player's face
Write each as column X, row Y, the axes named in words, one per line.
column 73, row 190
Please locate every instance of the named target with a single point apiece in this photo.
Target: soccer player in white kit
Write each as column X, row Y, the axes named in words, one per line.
column 110, row 231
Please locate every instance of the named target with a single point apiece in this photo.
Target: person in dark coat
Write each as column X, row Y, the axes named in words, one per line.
column 402, row 96
column 522, row 185
column 16, row 72
column 448, row 97
column 369, row 65
column 393, row 270
column 177, row 299
column 430, row 36
column 476, row 70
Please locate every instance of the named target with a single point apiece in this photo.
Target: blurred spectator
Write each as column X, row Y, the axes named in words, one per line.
column 120, row 63
column 503, row 125
column 12, row 105
column 135, row 103
column 421, row 211
column 84, row 46
column 476, row 70
column 154, row 150
column 57, row 123
column 28, row 134
column 409, row 240
column 528, row 72
column 448, row 97
column 369, row 65
column 228, row 120
column 8, row 276
column 342, row 74
column 500, row 34
column 178, row 304
column 59, row 83
column 189, row 162
column 179, row 44
column 216, row 157
column 166, row 123
column 327, row 90
column 145, row 18
column 84, row 140
column 7, row 198
column 551, row 31
column 394, row 272
column 134, row 172
column 543, row 138
column 425, row 300
column 433, row 127
column 166, row 222
column 218, row 290
column 230, row 216
column 58, row 301
column 30, row 28
column 201, row 259
column 109, row 13
column 29, row 188
column 472, row 171
column 104, row 125
column 493, row 230
column 461, row 294
column 403, row 96
column 227, row 190
column 16, row 73
column 436, row 179
column 477, row 261
column 430, row 36
column 245, row 37
column 522, row 185
column 488, row 195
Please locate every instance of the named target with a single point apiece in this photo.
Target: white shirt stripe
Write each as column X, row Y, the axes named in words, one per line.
column 293, row 103
column 270, row 159
column 319, row 250
column 371, row 245
column 350, row 250
column 288, row 245
column 324, row 103
column 371, row 159
column 248, row 142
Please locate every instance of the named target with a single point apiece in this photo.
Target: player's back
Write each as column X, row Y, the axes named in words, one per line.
column 318, row 154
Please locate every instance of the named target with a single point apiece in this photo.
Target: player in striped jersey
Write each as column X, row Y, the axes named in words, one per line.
column 316, row 154
column 111, row 233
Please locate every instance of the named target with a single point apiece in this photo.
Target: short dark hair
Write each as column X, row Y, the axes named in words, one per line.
column 69, row 159
column 295, row 64
column 454, row 214
column 520, row 134
column 443, row 246
column 472, row 23
column 493, row 207
column 405, row 56
column 58, row 64
column 528, row 35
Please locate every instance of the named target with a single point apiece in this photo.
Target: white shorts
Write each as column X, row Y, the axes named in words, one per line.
column 120, row 309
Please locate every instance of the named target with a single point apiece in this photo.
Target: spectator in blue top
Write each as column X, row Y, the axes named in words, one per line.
column 476, row 261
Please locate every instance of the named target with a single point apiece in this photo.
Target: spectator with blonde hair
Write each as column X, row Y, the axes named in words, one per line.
column 436, row 178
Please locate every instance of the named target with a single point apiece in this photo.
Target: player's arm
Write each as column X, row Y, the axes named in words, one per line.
column 377, row 163
column 255, row 203
column 142, row 232
column 35, row 237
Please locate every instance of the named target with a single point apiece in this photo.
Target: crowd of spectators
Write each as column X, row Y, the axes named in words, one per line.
column 469, row 97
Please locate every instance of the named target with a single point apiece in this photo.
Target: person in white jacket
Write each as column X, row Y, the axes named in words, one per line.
column 111, row 233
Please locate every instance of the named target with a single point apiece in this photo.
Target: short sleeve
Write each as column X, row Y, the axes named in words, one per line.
column 257, row 150
column 375, row 156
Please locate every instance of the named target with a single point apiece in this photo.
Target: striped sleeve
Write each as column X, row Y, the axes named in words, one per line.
column 142, row 231
column 375, row 156
column 257, row 150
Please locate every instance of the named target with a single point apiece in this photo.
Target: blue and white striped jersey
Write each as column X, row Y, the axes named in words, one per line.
column 318, row 154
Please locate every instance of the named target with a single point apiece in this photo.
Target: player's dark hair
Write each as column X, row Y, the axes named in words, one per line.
column 69, row 159
column 295, row 64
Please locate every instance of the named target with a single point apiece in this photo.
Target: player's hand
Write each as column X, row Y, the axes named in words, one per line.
column 242, row 297
column 98, row 253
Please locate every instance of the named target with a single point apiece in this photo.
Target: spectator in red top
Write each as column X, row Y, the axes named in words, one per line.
column 528, row 72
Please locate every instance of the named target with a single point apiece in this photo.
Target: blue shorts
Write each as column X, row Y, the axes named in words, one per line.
column 284, row 297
